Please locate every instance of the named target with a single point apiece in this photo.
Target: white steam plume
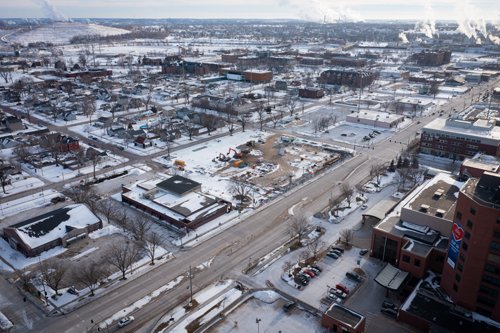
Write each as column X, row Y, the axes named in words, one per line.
column 322, row 11
column 469, row 21
column 50, row 11
column 428, row 25
column 403, row 38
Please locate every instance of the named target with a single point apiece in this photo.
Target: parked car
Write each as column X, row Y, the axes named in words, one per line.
column 332, row 255
column 300, row 282
column 362, row 252
column 73, row 291
column 308, row 272
column 337, row 252
column 332, row 298
column 389, row 305
column 364, row 206
column 304, row 277
column 337, row 248
column 288, row 306
column 317, row 267
column 338, row 293
column 314, row 270
column 353, row 276
column 389, row 312
column 342, row 288
column 125, row 321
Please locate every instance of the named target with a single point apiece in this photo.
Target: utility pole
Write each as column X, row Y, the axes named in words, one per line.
column 191, row 284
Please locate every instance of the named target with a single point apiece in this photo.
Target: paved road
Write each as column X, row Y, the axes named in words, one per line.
column 267, row 226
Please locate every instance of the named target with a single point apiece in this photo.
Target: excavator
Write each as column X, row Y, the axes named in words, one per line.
column 236, row 154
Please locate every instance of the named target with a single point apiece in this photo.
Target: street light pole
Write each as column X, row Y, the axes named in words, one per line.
column 257, row 321
column 191, row 284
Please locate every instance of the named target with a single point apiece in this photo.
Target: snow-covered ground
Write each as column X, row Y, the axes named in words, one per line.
column 53, row 173
column 26, row 203
column 265, row 310
column 62, row 32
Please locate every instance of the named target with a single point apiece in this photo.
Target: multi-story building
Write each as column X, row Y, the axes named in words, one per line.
column 349, row 77
column 413, row 236
column 471, row 274
column 458, row 139
column 432, row 57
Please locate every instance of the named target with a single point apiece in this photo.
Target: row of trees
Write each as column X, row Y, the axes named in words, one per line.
column 120, row 255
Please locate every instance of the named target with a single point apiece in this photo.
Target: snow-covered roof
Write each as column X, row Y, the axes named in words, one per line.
column 186, row 207
column 48, row 227
column 481, row 129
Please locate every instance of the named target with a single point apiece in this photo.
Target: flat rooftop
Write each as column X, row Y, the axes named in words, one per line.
column 437, row 199
column 375, row 115
column 344, row 315
column 481, row 129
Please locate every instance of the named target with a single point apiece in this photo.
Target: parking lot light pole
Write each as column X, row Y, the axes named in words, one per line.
column 257, row 321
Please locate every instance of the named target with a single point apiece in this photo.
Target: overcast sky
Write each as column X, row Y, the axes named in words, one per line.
column 268, row 9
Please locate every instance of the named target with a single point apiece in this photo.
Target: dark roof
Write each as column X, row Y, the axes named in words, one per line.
column 431, row 305
column 391, row 277
column 488, row 187
column 178, row 185
column 344, row 315
column 46, row 222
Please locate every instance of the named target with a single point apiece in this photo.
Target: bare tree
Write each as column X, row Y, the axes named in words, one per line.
column 275, row 118
column 230, row 122
column 82, row 59
column 89, row 274
column 140, row 226
column 261, row 113
column 152, row 241
column 243, row 120
column 83, row 194
column 347, row 193
column 6, row 74
column 53, row 273
column 336, row 205
column 316, row 246
column 347, row 236
column 287, row 265
column 240, row 190
column 51, row 144
column 377, row 171
column 209, row 121
column 108, row 208
column 23, row 151
column 316, row 124
column 122, row 255
column 89, row 107
column 298, row 226
column 291, row 104
column 5, row 172
column 95, row 157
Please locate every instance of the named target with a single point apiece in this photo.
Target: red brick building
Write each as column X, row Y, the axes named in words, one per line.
column 414, row 236
column 310, row 92
column 475, row 167
column 471, row 275
column 458, row 139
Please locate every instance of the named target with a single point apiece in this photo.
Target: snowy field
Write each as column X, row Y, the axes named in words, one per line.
column 53, row 173
column 39, row 199
column 62, row 32
column 20, row 183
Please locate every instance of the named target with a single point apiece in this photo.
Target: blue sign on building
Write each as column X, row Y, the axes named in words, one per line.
column 457, row 233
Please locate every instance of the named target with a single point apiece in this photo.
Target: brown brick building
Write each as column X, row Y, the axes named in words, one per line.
column 471, row 275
